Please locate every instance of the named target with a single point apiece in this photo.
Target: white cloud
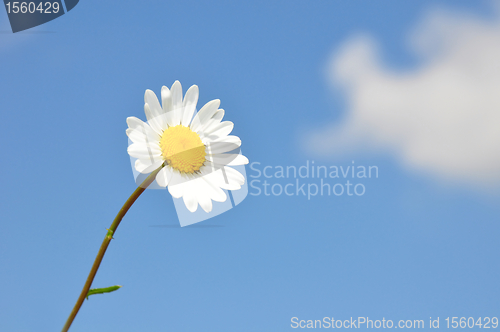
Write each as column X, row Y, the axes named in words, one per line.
column 442, row 117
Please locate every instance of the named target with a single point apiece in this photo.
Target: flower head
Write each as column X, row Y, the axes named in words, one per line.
column 196, row 151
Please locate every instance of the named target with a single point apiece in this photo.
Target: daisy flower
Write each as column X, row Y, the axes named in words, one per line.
column 197, row 151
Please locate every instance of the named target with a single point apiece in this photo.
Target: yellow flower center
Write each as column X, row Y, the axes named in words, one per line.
column 182, row 149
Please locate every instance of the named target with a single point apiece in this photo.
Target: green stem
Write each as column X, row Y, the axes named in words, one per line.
column 105, row 243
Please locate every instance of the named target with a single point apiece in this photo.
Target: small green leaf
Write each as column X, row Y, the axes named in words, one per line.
column 102, row 290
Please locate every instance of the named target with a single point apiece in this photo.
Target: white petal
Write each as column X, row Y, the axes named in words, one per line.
column 221, row 130
column 177, row 106
column 163, row 177
column 155, row 121
column 234, row 176
column 213, row 122
column 230, row 179
column 204, row 200
column 166, row 99
column 152, row 147
column 189, row 103
column 190, row 201
column 151, row 99
column 202, row 191
column 239, row 160
column 143, row 151
column 177, row 184
column 142, row 127
column 154, row 112
column 214, row 191
column 138, row 136
column 222, row 147
column 205, row 114
column 145, row 166
column 228, row 159
column 176, row 190
column 227, row 139
column 166, row 102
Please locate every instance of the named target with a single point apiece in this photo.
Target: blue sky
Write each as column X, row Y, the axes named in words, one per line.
column 417, row 244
